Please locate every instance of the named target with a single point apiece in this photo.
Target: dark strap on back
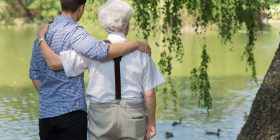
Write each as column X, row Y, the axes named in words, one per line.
column 117, row 61
column 118, row 78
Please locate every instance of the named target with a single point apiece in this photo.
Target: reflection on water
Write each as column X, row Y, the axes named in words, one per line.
column 19, row 106
column 18, row 113
column 229, row 105
column 231, row 88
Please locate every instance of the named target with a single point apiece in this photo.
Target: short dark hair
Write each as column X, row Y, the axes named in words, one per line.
column 71, row 5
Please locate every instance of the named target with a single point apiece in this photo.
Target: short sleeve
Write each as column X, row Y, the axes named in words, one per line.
column 73, row 63
column 151, row 75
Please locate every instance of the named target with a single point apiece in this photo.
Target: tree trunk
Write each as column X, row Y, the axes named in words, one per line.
column 263, row 122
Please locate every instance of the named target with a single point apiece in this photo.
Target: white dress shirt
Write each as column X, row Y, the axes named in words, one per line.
column 138, row 74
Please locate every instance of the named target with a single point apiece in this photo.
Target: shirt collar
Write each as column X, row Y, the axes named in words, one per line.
column 117, row 37
column 64, row 18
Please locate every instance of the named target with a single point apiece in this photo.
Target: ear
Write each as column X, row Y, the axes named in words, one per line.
column 81, row 8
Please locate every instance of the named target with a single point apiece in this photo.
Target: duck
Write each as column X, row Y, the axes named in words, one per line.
column 177, row 123
column 213, row 133
column 245, row 116
column 168, row 135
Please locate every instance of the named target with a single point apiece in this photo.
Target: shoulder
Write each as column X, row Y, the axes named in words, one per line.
column 65, row 27
column 145, row 57
column 139, row 53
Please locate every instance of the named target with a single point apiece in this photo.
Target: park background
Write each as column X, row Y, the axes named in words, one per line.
column 232, row 88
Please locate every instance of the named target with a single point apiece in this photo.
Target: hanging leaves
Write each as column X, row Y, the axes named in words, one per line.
column 200, row 84
column 165, row 18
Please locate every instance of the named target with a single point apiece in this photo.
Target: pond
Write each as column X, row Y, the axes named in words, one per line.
column 232, row 90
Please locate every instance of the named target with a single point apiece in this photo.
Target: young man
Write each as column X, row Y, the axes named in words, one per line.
column 62, row 104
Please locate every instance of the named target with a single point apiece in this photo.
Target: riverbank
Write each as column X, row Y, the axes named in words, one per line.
column 273, row 19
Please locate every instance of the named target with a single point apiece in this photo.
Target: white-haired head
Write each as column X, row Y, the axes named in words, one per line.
column 114, row 16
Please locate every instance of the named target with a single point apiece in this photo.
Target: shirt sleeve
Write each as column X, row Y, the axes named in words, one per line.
column 152, row 76
column 88, row 46
column 34, row 70
column 73, row 63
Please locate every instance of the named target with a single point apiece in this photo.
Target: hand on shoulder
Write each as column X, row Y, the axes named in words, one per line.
column 42, row 30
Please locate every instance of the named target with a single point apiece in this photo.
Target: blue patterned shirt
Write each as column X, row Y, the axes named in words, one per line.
column 60, row 94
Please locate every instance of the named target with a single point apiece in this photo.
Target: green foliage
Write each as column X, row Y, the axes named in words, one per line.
column 165, row 16
column 230, row 16
column 153, row 16
column 3, row 9
column 200, row 84
column 90, row 13
column 31, row 10
column 274, row 1
column 41, row 11
column 146, row 13
column 48, row 10
column 11, row 9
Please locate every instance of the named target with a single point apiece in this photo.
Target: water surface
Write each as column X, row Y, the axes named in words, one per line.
column 232, row 89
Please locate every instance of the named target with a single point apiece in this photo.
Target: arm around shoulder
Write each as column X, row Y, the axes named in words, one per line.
column 53, row 60
column 73, row 63
column 119, row 49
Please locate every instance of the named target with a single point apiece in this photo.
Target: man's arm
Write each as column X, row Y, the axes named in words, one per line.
column 112, row 51
column 150, row 104
column 34, row 70
column 52, row 59
column 120, row 49
column 74, row 64
column 36, row 84
column 90, row 47
column 151, row 79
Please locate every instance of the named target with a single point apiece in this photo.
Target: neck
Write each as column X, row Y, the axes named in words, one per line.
column 70, row 15
column 117, row 37
column 121, row 34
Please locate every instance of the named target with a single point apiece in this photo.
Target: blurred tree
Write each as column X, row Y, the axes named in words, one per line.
column 274, row 1
column 45, row 10
column 30, row 10
column 19, row 8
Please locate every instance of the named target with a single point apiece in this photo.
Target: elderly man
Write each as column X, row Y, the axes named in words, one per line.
column 118, row 108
